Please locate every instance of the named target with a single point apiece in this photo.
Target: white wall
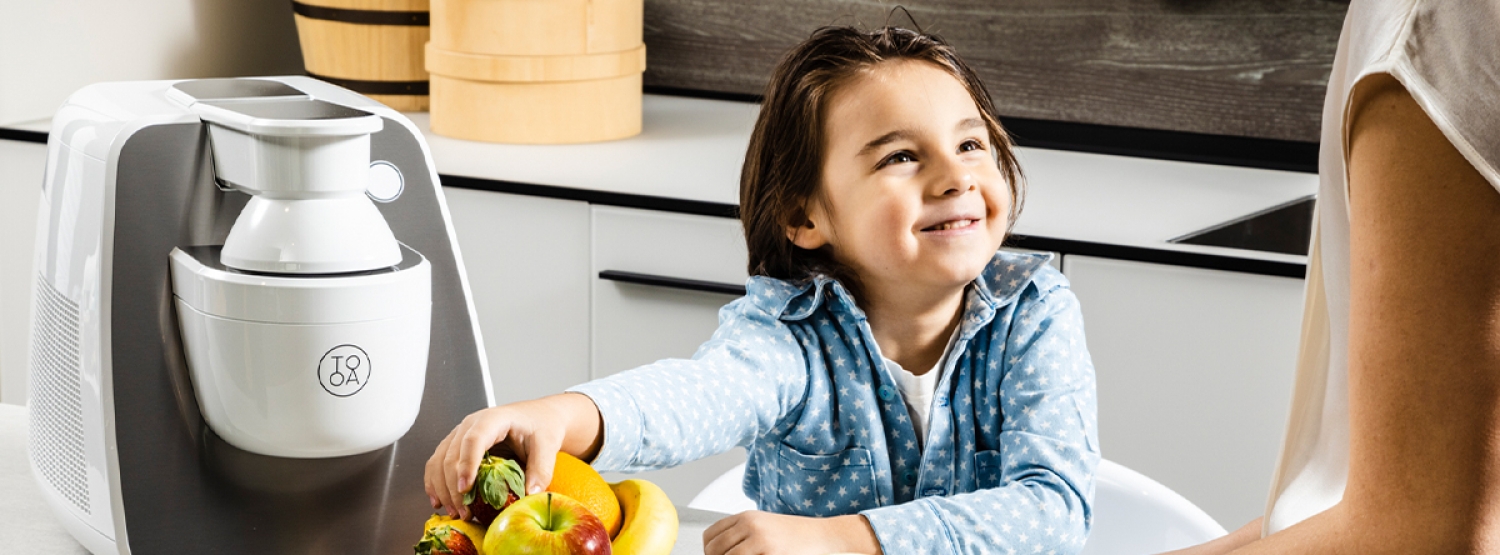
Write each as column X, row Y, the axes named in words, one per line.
column 49, row 48
column 21, row 168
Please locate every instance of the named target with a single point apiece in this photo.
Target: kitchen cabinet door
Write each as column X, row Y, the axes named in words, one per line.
column 22, row 167
column 638, row 323
column 527, row 260
column 1195, row 371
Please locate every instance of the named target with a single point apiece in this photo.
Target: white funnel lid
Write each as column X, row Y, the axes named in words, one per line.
column 307, row 164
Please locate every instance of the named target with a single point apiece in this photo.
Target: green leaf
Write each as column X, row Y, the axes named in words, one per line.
column 434, row 541
column 497, row 479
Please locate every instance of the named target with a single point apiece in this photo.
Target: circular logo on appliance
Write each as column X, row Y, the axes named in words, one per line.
column 344, row 370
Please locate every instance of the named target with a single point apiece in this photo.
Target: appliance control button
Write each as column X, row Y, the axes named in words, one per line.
column 386, row 181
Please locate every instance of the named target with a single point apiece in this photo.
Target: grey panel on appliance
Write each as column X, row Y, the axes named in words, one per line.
column 214, row 89
column 183, row 488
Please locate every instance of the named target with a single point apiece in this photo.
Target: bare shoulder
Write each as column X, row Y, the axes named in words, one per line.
column 1412, row 195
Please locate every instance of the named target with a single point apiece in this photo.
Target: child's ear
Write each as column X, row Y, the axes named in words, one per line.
column 808, row 234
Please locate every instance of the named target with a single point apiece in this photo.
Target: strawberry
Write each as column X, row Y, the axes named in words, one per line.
column 445, row 536
column 498, row 483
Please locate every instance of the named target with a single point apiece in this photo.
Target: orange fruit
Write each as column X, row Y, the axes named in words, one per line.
column 576, row 479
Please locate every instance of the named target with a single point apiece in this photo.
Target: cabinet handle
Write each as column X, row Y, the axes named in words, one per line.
column 674, row 282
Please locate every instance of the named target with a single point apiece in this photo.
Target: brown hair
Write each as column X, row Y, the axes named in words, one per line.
column 783, row 166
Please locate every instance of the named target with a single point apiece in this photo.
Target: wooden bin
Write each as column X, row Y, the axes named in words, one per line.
column 372, row 47
column 536, row 71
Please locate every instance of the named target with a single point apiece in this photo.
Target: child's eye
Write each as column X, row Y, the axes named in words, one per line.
column 898, row 157
column 969, row 145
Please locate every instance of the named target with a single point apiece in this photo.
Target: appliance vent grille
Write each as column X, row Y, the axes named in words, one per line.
column 56, row 434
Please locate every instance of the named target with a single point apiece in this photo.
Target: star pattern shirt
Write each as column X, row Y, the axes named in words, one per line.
column 793, row 375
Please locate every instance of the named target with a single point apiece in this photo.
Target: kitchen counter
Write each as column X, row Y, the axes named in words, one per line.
column 26, row 520
column 688, row 157
column 690, row 151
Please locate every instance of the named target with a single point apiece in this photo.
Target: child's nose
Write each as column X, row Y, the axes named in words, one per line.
column 953, row 177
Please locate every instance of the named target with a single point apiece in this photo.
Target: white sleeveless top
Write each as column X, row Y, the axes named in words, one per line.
column 1447, row 55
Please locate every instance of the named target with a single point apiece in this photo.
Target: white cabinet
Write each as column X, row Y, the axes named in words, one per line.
column 635, row 324
column 1195, row 366
column 22, row 166
column 1195, row 371
column 527, row 260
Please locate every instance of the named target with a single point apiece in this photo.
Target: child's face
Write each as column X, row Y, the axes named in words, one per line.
column 913, row 194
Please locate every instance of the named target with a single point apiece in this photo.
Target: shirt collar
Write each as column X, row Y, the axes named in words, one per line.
column 1002, row 280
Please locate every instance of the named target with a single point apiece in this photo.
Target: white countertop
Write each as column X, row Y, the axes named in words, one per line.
column 692, row 149
column 40, row 125
column 24, row 517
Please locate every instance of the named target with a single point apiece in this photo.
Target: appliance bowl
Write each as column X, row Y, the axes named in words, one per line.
column 305, row 367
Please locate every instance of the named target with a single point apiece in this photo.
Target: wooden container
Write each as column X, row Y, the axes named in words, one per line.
column 536, row 71
column 372, row 47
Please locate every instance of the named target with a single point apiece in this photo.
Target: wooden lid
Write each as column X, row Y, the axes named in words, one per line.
column 373, row 5
column 572, row 67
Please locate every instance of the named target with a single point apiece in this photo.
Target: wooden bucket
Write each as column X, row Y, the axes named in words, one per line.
column 536, row 71
column 372, row 47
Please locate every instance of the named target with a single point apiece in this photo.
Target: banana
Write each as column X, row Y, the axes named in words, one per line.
column 650, row 526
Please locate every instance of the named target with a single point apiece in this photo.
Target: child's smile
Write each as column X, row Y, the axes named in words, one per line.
column 912, row 197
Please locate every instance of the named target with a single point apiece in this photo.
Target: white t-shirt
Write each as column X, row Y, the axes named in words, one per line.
column 917, row 391
column 1447, row 55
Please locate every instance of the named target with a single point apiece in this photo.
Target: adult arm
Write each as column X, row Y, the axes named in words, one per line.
column 1424, row 361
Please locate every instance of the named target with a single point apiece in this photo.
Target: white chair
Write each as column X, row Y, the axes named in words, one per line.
column 1133, row 514
column 724, row 494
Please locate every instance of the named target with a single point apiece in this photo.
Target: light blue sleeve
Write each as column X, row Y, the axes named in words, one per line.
column 737, row 387
column 1044, row 475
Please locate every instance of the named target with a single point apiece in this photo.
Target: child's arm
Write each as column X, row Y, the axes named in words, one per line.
column 1048, row 448
column 737, row 387
column 532, row 431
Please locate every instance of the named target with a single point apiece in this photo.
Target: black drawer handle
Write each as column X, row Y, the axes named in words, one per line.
column 674, row 282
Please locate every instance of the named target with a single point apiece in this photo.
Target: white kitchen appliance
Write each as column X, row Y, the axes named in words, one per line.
column 252, row 325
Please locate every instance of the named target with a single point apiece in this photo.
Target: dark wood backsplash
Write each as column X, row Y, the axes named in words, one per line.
column 1250, row 68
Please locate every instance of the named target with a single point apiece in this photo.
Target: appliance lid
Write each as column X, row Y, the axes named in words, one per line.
column 288, row 117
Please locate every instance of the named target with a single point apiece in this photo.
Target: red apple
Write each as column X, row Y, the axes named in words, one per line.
column 547, row 524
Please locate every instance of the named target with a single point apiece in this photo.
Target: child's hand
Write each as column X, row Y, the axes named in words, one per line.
column 756, row 532
column 531, row 432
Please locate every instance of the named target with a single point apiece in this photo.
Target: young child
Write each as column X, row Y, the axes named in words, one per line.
column 900, row 384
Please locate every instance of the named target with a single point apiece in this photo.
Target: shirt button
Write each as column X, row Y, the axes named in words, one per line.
column 942, row 401
column 887, row 392
column 910, row 477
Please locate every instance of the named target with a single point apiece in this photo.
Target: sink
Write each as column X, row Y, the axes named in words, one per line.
column 1284, row 228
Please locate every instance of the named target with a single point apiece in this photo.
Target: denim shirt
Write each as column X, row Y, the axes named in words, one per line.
column 794, row 376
